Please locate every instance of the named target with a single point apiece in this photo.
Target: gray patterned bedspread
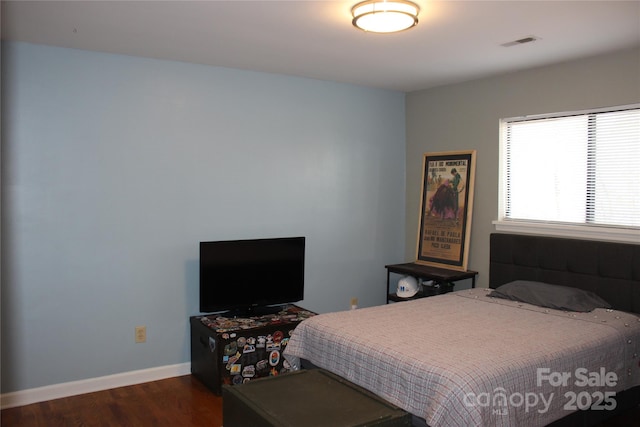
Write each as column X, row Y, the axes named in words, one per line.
column 465, row 359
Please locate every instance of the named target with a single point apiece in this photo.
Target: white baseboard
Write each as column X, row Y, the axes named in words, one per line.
column 56, row 391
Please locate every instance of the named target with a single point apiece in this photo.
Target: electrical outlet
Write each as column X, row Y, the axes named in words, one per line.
column 354, row 303
column 141, row 334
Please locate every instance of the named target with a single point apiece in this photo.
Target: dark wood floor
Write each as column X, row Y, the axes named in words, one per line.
column 181, row 401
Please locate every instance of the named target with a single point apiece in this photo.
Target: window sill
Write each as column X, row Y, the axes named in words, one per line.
column 626, row 235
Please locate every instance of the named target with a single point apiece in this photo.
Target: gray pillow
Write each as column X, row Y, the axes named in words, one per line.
column 550, row 296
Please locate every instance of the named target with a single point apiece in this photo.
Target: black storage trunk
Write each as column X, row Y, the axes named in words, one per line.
column 238, row 350
column 309, row 398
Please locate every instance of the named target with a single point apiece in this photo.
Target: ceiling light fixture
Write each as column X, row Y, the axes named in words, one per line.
column 382, row 16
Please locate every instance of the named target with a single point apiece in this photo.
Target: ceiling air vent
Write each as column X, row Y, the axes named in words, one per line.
column 523, row 40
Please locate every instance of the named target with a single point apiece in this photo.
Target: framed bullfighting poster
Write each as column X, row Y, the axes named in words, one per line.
column 446, row 208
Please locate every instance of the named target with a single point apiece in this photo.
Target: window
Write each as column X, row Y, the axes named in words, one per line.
column 572, row 171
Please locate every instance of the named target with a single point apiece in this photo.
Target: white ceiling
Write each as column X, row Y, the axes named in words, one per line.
column 454, row 41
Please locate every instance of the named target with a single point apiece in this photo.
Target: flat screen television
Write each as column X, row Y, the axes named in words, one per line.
column 246, row 277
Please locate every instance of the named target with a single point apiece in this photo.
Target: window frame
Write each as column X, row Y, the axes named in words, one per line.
column 549, row 228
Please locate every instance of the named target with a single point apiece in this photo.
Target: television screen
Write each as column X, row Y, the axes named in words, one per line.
column 248, row 274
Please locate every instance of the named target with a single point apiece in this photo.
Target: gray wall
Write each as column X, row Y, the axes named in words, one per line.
column 466, row 116
column 115, row 167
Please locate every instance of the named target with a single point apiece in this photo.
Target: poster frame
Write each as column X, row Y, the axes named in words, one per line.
column 443, row 230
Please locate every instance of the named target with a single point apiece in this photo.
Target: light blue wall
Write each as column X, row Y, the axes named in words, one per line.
column 115, row 167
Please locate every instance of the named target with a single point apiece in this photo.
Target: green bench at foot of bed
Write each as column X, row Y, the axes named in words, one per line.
column 309, row 398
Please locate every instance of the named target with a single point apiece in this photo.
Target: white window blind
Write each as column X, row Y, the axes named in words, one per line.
column 576, row 168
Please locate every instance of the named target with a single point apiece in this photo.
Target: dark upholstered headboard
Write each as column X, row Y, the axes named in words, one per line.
column 611, row 270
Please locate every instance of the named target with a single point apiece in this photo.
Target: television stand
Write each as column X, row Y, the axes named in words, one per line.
column 235, row 350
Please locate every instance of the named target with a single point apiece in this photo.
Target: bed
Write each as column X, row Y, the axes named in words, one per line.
column 471, row 358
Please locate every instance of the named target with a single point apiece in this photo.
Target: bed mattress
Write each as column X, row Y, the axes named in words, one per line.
column 465, row 358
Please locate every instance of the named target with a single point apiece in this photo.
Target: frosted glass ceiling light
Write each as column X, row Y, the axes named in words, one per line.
column 382, row 16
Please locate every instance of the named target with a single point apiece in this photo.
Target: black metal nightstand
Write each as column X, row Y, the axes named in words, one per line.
column 444, row 278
